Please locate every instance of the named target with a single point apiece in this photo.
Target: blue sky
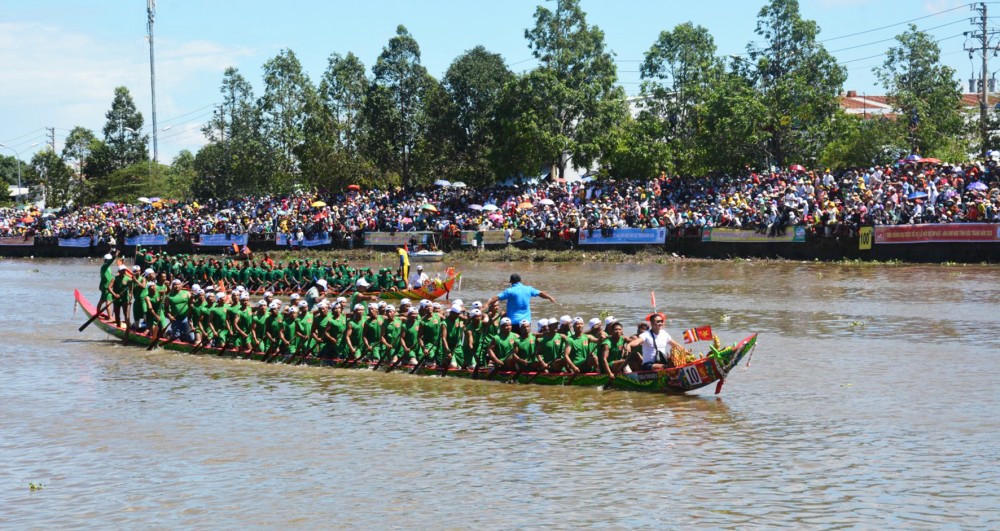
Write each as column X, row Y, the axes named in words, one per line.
column 60, row 60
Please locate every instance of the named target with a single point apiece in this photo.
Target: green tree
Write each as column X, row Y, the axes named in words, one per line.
column 237, row 132
column 637, row 150
column 284, row 105
column 474, row 84
column 924, row 92
column 79, row 144
column 8, row 170
column 180, row 176
column 679, row 71
column 798, row 79
column 730, row 131
column 56, row 178
column 394, row 108
column 123, row 136
column 568, row 105
column 331, row 156
column 862, row 142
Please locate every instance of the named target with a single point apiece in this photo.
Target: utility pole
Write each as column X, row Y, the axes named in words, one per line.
column 151, row 12
column 982, row 35
column 52, row 137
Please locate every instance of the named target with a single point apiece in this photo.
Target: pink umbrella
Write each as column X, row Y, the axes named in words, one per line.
column 796, row 167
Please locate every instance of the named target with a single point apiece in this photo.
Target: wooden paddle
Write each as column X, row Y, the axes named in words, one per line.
column 96, row 315
column 421, row 362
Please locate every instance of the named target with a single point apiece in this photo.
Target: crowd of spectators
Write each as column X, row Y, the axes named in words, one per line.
column 829, row 204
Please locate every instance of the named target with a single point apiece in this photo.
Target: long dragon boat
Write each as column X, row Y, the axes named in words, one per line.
column 713, row 368
column 434, row 289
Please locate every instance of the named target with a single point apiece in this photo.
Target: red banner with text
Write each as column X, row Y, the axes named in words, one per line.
column 938, row 233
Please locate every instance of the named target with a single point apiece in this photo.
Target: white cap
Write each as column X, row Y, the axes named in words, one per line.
column 268, row 294
column 221, row 294
column 262, row 302
column 477, row 304
column 136, row 268
column 505, row 320
column 109, row 257
column 577, row 320
column 294, row 296
column 381, row 304
column 359, row 306
column 596, row 321
column 303, row 304
column 390, row 308
column 525, row 322
column 148, row 271
column 609, row 319
column 244, row 296
column 240, row 288
column 475, row 313
column 361, row 283
column 455, row 309
column 424, row 302
column 341, row 300
column 372, row 306
column 420, row 268
column 210, row 296
column 321, row 283
column 436, row 305
column 176, row 282
column 199, row 291
column 275, row 305
column 413, row 310
column 151, row 283
column 195, row 287
column 122, row 267
column 565, row 319
column 323, row 305
column 542, row 323
column 290, row 309
column 405, row 301
column 458, row 302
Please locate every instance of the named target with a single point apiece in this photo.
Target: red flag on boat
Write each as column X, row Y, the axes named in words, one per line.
column 652, row 299
column 703, row 333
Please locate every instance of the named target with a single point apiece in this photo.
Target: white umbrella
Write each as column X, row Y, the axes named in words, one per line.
column 546, row 202
column 490, row 208
column 441, row 182
column 144, row 200
column 458, row 184
column 475, row 207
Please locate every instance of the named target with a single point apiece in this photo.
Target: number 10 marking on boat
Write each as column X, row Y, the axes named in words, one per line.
column 691, row 375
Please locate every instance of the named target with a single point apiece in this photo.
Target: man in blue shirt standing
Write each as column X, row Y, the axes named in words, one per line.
column 518, row 297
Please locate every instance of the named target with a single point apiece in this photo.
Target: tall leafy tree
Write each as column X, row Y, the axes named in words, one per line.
column 79, row 143
column 284, row 105
column 236, row 131
column 331, row 156
column 679, row 71
column 55, row 176
column 565, row 106
column 923, row 90
column 798, row 79
column 123, row 136
column 394, row 109
column 474, row 84
column 730, row 131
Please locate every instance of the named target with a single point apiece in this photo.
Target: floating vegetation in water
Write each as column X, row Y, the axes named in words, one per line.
column 35, row 486
column 861, row 324
column 724, row 318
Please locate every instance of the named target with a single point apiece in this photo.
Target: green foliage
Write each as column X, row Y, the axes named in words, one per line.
column 123, row 136
column 924, row 92
column 288, row 94
column 58, row 181
column 395, row 109
column 569, row 105
column 862, row 142
column 79, row 143
column 798, row 81
column 730, row 125
column 8, row 170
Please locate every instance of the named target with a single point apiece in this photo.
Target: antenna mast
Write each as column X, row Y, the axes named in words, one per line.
column 151, row 11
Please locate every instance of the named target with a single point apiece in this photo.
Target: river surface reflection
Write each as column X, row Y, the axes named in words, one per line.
column 871, row 401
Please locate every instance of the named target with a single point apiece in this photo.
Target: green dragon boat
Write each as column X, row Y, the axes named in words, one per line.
column 713, row 368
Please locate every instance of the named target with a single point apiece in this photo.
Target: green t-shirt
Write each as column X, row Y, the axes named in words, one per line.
column 614, row 348
column 392, row 331
column 550, row 347
column 580, row 348
column 430, row 330
column 411, row 333
column 179, row 303
column 503, row 346
column 526, row 347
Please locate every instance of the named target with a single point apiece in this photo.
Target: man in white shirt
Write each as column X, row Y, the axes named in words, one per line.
column 656, row 344
column 418, row 278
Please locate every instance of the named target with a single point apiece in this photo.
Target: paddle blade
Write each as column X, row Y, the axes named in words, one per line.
column 652, row 299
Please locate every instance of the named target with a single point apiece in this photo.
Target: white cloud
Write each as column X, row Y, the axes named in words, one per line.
column 55, row 76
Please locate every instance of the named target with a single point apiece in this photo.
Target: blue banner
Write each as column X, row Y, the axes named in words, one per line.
column 74, row 242
column 147, row 240
column 221, row 240
column 282, row 239
column 655, row 236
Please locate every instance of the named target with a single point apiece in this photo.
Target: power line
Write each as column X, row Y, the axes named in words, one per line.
column 960, row 21
column 893, row 25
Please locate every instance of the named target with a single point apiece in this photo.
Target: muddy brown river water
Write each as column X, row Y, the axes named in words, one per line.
column 872, row 401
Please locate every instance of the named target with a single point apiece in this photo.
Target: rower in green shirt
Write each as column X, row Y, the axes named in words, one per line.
column 410, row 341
column 580, row 354
column 502, row 348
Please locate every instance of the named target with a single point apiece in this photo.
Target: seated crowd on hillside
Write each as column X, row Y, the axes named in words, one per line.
column 828, row 204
